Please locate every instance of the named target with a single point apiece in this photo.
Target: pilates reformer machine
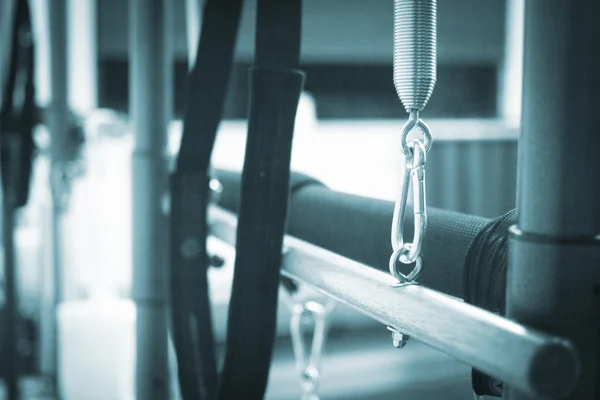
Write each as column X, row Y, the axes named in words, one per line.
column 516, row 297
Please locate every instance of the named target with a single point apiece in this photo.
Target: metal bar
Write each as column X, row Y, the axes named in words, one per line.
column 58, row 117
column 511, row 73
column 83, row 55
column 11, row 305
column 193, row 18
column 554, row 276
column 516, row 354
column 11, row 302
column 150, row 106
column 43, row 53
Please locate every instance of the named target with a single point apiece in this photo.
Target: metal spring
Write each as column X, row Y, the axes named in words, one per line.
column 415, row 52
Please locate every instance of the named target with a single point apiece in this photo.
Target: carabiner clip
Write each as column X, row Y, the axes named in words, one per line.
column 414, row 175
column 308, row 359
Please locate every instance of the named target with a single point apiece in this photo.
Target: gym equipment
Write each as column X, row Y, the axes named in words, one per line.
column 415, row 56
column 545, row 385
column 552, row 282
column 466, row 332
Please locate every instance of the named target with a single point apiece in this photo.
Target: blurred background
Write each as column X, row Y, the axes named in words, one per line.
column 346, row 135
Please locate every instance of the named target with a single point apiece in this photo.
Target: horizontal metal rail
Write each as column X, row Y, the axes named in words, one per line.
column 533, row 362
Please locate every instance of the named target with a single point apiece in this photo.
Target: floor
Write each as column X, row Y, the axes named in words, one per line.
column 357, row 365
column 363, row 365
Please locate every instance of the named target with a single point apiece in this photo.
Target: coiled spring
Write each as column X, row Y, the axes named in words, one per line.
column 415, row 52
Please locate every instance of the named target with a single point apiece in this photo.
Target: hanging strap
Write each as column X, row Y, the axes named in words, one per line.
column 275, row 87
column 18, row 110
column 17, row 119
column 190, row 303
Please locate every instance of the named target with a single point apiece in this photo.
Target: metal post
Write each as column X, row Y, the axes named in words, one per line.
column 511, row 73
column 58, row 116
column 10, row 276
column 554, row 271
column 83, row 55
column 41, row 29
column 150, row 106
column 193, row 18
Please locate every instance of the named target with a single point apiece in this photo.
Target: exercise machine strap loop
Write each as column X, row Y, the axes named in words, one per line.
column 190, row 194
column 275, row 87
column 18, row 112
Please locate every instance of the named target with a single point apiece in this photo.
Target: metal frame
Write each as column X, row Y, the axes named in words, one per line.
column 82, row 23
column 150, row 107
column 554, row 276
column 58, row 123
column 193, row 19
column 558, row 224
column 511, row 76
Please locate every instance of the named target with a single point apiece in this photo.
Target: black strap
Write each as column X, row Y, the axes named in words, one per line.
column 190, row 303
column 16, row 157
column 275, row 87
column 485, row 283
column 18, row 111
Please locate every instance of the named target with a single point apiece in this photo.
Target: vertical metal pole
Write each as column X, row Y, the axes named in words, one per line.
column 83, row 55
column 11, row 304
column 40, row 21
column 194, row 10
column 554, row 271
column 511, row 73
column 151, row 106
column 41, row 29
column 58, row 117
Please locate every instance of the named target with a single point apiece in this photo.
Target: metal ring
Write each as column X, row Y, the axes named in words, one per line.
column 396, row 257
column 415, row 122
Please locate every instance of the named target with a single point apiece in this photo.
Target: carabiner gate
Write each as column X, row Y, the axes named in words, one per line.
column 414, row 175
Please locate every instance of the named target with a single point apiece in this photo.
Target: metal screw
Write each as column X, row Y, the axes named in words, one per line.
column 399, row 339
column 216, row 190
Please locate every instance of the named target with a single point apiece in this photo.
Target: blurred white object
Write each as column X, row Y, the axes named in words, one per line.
column 82, row 43
column 28, row 243
column 96, row 341
column 98, row 223
column 101, row 218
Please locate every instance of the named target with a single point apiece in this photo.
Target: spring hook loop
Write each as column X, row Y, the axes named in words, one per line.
column 414, row 175
column 414, row 121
